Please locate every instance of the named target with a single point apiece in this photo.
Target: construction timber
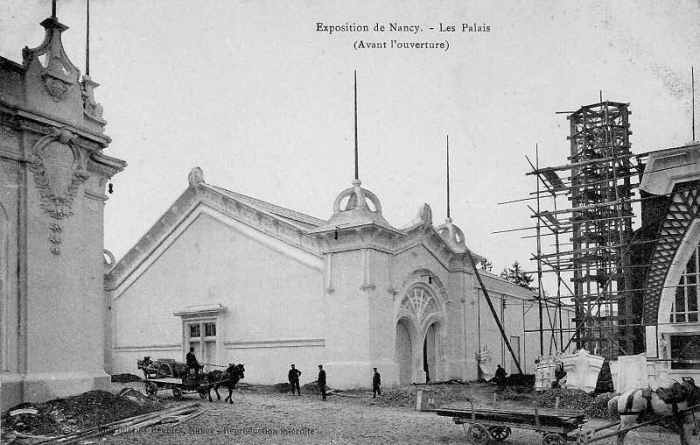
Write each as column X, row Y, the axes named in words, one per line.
column 596, row 268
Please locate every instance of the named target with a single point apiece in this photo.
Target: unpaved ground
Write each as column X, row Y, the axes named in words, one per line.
column 264, row 417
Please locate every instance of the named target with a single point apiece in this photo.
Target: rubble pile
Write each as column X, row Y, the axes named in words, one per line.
column 569, row 399
column 63, row 416
column 126, row 378
column 598, row 409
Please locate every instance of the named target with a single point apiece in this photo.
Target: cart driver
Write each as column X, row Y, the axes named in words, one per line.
column 192, row 363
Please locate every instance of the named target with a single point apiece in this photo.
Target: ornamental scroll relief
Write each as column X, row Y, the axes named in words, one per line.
column 59, row 170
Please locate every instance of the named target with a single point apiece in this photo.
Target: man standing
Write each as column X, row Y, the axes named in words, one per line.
column 322, row 381
column 376, row 384
column 293, row 377
column 192, row 362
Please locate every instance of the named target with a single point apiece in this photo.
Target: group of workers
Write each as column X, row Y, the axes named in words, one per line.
column 293, row 376
column 294, row 373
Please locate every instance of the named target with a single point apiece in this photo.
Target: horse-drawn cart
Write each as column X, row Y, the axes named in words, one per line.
column 497, row 423
column 179, row 386
column 176, row 376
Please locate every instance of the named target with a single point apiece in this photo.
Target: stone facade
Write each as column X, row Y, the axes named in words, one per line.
column 53, row 177
column 245, row 281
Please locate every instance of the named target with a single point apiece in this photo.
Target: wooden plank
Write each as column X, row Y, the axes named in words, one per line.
column 514, row 417
column 167, row 381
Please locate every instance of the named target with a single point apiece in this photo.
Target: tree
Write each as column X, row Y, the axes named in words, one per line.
column 517, row 276
column 486, row 265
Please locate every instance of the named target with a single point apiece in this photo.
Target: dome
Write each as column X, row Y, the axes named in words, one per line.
column 453, row 236
column 355, row 207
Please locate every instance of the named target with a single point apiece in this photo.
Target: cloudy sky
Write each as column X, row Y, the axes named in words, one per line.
column 261, row 100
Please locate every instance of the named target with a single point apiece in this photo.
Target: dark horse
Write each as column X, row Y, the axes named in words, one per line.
column 228, row 378
column 635, row 405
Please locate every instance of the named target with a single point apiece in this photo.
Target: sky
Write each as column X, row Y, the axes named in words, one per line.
column 262, row 100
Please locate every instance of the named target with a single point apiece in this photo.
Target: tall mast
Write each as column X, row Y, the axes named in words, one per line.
column 357, row 174
column 448, row 175
column 87, row 41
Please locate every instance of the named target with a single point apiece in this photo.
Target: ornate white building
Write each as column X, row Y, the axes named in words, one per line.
column 53, row 177
column 245, row 281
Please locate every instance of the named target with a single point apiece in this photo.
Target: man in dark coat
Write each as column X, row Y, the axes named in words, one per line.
column 192, row 362
column 376, row 383
column 322, row 381
column 293, row 377
column 500, row 377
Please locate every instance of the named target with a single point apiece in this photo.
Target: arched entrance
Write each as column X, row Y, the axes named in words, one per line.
column 430, row 353
column 404, row 353
column 418, row 336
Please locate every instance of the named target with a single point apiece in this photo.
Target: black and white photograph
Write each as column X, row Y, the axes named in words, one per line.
column 349, row 222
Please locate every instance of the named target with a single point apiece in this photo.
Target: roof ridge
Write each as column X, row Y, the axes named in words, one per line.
column 278, row 210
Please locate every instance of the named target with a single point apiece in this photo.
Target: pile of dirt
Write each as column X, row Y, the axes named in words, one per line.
column 520, row 380
column 311, row 388
column 518, row 393
column 126, row 378
column 63, row 416
column 598, row 409
column 569, row 399
column 282, row 387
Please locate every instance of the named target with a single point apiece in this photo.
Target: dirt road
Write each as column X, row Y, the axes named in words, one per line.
column 279, row 418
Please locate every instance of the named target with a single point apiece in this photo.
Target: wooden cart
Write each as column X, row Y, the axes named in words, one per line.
column 485, row 423
column 179, row 387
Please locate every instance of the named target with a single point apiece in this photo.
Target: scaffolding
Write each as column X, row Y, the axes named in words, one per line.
column 598, row 223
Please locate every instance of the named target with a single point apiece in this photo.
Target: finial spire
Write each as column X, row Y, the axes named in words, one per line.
column 692, row 89
column 357, row 174
column 53, row 9
column 448, row 175
column 87, row 41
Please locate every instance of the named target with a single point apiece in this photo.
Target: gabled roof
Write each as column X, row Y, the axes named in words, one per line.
column 301, row 220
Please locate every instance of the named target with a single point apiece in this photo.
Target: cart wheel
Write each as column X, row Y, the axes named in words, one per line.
column 165, row 370
column 553, row 439
column 203, row 392
column 478, row 433
column 177, row 393
column 499, row 433
column 151, row 389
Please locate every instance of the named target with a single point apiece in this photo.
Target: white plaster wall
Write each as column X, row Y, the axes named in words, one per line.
column 347, row 356
column 73, row 306
column 273, row 304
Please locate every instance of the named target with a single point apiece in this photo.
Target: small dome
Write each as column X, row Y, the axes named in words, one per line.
column 357, row 199
column 355, row 207
column 453, row 236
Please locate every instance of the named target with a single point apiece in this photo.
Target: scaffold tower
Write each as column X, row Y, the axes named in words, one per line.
column 598, row 222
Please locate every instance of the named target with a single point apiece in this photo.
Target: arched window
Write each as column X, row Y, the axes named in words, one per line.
column 685, row 304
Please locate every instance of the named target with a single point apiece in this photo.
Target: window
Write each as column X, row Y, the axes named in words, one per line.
column 685, row 350
column 194, row 331
column 210, row 329
column 685, row 304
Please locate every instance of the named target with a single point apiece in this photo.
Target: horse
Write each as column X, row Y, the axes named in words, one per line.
column 228, row 378
column 637, row 405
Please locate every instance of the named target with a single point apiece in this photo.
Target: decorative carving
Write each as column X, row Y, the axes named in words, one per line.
column 196, row 177
column 58, row 174
column 330, row 290
column 90, row 105
column 366, row 287
column 57, row 71
column 419, row 301
column 55, row 237
column 56, row 86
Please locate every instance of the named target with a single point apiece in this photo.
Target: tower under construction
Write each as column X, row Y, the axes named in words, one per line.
column 598, row 221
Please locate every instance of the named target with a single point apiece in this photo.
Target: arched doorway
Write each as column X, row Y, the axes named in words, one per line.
column 419, row 336
column 430, row 353
column 404, row 353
